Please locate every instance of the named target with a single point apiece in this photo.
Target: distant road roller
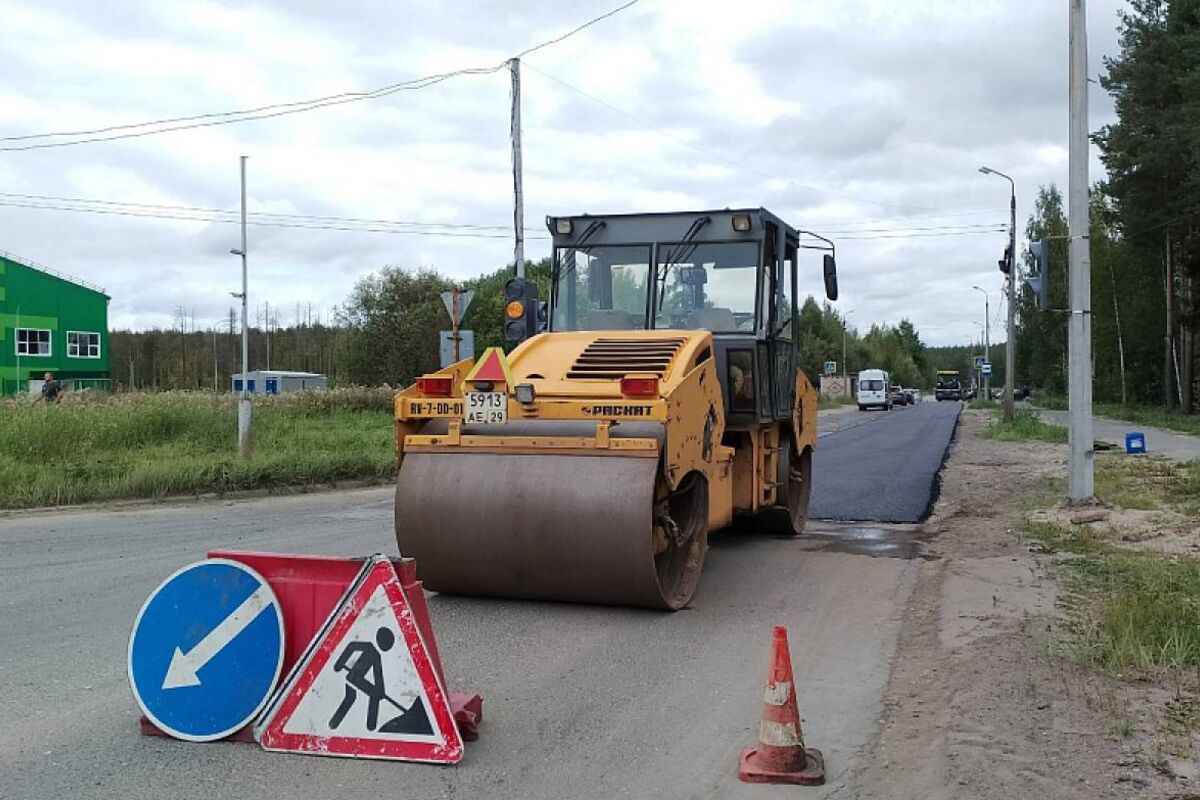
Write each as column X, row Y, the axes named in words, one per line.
column 661, row 399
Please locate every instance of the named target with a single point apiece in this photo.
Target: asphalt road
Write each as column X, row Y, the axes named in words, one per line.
column 882, row 468
column 579, row 701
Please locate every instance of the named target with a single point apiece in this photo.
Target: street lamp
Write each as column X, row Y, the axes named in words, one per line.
column 1009, row 349
column 987, row 339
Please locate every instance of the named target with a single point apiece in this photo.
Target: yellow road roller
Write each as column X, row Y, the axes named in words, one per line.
column 651, row 399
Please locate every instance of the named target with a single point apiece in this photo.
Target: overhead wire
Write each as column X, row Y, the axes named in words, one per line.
column 206, row 214
column 214, row 119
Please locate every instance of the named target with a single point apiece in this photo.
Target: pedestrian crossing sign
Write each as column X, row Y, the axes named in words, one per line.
column 366, row 687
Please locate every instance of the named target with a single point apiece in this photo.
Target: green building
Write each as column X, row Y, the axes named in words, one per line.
column 50, row 323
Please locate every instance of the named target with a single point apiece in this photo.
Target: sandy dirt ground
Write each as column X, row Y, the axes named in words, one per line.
column 980, row 703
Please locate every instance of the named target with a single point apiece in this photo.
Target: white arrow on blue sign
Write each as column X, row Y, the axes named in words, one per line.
column 206, row 650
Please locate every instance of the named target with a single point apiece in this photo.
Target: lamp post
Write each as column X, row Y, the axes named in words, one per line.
column 987, row 340
column 1009, row 350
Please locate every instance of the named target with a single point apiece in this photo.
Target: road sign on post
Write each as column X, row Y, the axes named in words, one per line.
column 456, row 303
column 206, row 650
column 986, row 369
column 830, row 367
column 466, row 346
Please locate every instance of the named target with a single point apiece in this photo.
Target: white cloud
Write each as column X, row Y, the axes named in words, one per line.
column 865, row 115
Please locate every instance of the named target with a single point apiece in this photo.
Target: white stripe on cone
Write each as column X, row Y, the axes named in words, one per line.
column 777, row 695
column 778, row 734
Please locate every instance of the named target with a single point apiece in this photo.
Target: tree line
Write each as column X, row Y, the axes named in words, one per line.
column 1145, row 225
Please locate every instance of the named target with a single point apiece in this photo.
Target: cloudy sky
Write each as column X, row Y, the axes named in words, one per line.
column 862, row 119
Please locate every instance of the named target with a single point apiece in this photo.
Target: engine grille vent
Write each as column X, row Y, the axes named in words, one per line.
column 610, row 359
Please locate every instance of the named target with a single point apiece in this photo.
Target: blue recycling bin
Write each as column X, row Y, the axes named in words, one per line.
column 1135, row 442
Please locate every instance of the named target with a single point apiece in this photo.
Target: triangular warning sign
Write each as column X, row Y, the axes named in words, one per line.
column 492, row 366
column 366, row 686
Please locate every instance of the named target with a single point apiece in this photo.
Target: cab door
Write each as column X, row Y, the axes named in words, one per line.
column 781, row 330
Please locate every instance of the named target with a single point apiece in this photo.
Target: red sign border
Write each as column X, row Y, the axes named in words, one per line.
column 273, row 737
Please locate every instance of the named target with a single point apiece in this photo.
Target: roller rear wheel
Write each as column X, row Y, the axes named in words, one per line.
column 794, row 491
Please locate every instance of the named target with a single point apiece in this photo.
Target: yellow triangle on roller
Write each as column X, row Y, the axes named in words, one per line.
column 492, row 366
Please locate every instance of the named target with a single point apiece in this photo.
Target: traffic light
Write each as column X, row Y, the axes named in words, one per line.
column 1038, row 278
column 1006, row 262
column 522, row 311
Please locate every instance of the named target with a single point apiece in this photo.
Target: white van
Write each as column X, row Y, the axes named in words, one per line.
column 874, row 389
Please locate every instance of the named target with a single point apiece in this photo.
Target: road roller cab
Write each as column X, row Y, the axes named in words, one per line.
column 663, row 398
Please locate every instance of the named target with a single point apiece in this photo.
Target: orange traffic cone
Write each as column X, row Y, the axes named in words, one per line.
column 781, row 756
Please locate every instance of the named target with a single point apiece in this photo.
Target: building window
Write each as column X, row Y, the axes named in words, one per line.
column 81, row 344
column 33, row 342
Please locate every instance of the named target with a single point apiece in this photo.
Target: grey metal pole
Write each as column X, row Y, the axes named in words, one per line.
column 1009, row 348
column 514, row 66
column 214, row 359
column 17, row 346
column 244, row 447
column 987, row 340
column 1079, row 347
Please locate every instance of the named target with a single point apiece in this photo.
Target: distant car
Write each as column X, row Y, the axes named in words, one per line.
column 899, row 396
column 910, row 397
column 916, row 395
column 873, row 390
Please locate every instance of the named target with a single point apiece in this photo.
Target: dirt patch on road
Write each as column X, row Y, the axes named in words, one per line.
column 981, row 702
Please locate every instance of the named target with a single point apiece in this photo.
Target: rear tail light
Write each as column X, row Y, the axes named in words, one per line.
column 435, row 385
column 639, row 386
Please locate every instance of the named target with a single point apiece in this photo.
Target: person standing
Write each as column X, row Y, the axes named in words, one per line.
column 51, row 389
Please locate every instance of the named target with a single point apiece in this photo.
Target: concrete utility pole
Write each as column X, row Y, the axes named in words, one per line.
column 514, row 66
column 244, row 398
column 1079, row 347
column 987, row 340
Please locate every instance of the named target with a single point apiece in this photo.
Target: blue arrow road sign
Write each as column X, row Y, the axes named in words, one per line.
column 206, row 650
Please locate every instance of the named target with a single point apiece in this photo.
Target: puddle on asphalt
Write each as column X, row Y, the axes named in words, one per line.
column 861, row 540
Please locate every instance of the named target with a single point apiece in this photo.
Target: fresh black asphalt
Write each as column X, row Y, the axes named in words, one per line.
column 884, row 468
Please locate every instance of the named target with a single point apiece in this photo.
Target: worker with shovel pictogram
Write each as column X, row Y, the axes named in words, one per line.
column 365, row 676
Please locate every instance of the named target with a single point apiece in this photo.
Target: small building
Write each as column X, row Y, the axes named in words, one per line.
column 276, row 381
column 50, row 322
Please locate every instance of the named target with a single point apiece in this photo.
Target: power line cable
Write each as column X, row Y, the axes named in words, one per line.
column 447, row 230
column 273, row 110
column 56, row 202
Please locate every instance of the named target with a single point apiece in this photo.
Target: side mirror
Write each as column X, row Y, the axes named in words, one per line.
column 831, row 284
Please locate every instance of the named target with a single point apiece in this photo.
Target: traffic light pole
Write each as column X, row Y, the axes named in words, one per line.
column 1009, row 348
column 514, row 66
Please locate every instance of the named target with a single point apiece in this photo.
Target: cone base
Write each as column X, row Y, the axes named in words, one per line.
column 752, row 770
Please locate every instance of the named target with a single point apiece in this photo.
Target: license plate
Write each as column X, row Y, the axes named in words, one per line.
column 486, row 408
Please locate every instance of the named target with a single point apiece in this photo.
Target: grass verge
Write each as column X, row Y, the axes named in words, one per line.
column 834, row 402
column 109, row 447
column 1025, row 426
column 1135, row 613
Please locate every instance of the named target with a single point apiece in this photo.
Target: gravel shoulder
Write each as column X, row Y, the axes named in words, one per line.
column 978, row 704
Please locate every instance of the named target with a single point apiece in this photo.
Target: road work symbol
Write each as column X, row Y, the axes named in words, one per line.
column 366, row 686
column 365, row 676
column 206, row 650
